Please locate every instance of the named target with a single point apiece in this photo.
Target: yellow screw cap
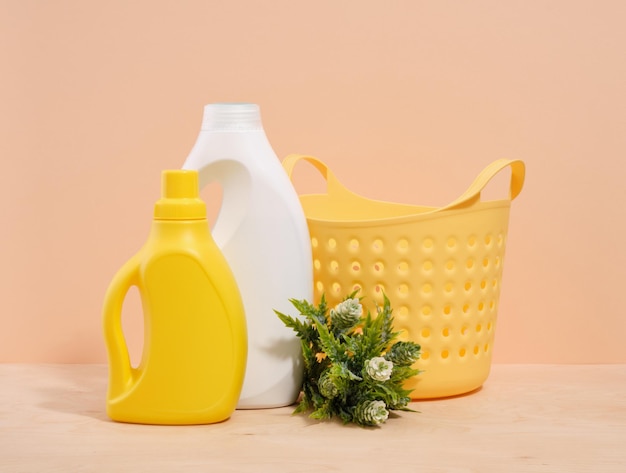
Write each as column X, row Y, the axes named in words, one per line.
column 179, row 196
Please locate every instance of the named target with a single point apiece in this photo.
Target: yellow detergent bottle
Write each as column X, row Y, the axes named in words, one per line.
column 195, row 343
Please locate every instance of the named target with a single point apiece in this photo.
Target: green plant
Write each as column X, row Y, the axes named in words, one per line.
column 353, row 366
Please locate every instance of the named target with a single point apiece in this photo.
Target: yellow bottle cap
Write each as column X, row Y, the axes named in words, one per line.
column 180, row 196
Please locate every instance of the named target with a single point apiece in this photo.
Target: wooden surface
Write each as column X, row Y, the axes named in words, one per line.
column 527, row 418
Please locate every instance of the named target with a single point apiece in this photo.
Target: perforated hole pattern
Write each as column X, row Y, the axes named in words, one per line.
column 444, row 290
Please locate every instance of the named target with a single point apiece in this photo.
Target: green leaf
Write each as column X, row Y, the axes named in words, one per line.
column 403, row 353
column 330, row 345
column 303, row 406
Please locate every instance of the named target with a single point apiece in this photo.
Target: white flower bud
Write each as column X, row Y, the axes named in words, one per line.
column 371, row 412
column 378, row 368
column 346, row 314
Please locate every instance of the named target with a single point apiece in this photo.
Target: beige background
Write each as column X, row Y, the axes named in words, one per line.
column 406, row 100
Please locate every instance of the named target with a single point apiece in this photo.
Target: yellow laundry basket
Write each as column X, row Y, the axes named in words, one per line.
column 440, row 268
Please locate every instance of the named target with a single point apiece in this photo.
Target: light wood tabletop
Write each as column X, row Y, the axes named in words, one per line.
column 526, row 418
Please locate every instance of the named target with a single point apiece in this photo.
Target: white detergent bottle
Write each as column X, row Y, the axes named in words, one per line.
column 262, row 231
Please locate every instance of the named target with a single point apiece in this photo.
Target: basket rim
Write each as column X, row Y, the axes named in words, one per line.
column 434, row 213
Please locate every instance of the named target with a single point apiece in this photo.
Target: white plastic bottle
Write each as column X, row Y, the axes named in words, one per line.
column 262, row 232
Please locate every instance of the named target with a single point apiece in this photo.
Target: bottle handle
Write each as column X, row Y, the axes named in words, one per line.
column 236, row 183
column 120, row 369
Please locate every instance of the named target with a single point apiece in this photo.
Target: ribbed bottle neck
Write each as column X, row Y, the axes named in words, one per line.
column 231, row 117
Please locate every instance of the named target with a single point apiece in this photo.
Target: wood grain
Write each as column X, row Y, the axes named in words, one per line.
column 527, row 418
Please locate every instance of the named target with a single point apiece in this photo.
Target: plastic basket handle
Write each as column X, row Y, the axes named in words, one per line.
column 472, row 194
column 467, row 199
column 334, row 187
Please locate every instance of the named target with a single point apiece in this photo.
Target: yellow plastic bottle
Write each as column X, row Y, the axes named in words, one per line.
column 195, row 343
